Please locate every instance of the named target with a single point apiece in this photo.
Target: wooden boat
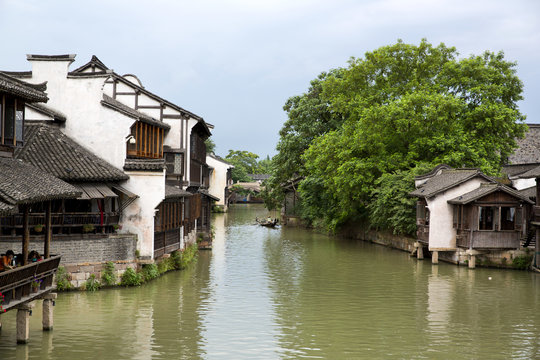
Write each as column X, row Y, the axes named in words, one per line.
column 267, row 223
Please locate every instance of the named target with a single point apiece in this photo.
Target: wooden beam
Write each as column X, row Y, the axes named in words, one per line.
column 172, row 116
column 125, row 93
column 149, row 106
column 48, row 231
column 26, row 234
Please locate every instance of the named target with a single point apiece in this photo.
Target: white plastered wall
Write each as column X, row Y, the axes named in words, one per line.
column 442, row 235
column 218, row 179
column 138, row 217
column 520, row 184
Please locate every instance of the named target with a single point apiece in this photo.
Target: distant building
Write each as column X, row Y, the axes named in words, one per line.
column 220, row 179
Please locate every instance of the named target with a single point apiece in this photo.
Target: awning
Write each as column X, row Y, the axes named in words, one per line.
column 206, row 193
column 95, row 191
column 126, row 196
column 123, row 191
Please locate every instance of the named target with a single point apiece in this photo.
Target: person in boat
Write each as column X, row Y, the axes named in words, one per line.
column 269, row 219
column 6, row 261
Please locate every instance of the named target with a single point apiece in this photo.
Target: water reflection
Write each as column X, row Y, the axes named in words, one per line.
column 289, row 293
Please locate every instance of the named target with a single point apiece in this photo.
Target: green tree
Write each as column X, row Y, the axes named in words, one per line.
column 407, row 108
column 244, row 162
column 309, row 116
column 210, row 146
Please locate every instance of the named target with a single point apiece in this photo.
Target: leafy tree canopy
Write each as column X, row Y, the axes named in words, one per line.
column 406, row 108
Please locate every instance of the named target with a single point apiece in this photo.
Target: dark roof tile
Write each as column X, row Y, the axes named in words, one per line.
column 144, row 164
column 47, row 148
column 486, row 189
column 29, row 92
column 126, row 110
column 447, row 180
column 22, row 183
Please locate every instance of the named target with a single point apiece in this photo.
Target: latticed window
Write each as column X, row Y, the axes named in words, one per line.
column 146, row 141
column 11, row 121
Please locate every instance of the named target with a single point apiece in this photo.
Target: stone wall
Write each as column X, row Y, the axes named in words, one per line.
column 84, row 255
column 77, row 249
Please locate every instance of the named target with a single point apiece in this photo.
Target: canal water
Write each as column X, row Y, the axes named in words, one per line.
column 290, row 294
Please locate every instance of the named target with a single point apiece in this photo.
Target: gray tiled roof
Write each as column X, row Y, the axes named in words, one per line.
column 144, row 164
column 126, row 110
column 206, row 193
column 533, row 173
column 22, row 183
column 174, row 192
column 516, row 170
column 486, row 189
column 528, row 151
column 29, row 92
column 47, row 148
column 446, row 180
column 6, row 208
column 529, row 193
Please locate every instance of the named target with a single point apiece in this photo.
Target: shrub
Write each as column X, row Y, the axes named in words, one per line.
column 62, row 279
column 188, row 255
column 108, row 276
column 92, row 284
column 131, row 278
column 149, row 272
column 165, row 265
column 176, row 259
column 522, row 262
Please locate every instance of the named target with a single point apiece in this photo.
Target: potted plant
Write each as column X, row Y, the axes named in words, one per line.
column 88, row 228
column 38, row 228
column 36, row 284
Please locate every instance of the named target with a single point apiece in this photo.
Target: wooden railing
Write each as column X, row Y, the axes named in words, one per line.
column 166, row 242
column 28, row 282
column 61, row 219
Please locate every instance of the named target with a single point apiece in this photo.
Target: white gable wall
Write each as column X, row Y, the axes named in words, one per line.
column 442, row 235
column 520, row 184
column 218, row 179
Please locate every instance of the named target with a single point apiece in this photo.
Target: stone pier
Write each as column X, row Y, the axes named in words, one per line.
column 435, row 257
column 419, row 250
column 23, row 322
column 48, row 303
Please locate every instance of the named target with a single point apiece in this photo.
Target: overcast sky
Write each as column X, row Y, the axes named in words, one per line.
column 236, row 62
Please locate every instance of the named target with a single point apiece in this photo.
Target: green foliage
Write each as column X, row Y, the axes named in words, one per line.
column 149, row 272
column 522, row 262
column 108, row 276
column 92, row 284
column 62, row 279
column 218, row 209
column 88, row 228
column 176, row 259
column 244, row 162
column 210, row 145
column 406, row 108
column 131, row 278
column 166, row 264
column 188, row 255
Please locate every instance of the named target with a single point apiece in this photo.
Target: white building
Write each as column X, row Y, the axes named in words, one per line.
column 220, row 179
column 156, row 142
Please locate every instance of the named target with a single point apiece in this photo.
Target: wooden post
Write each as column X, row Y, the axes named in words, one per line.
column 48, row 231
column 26, row 234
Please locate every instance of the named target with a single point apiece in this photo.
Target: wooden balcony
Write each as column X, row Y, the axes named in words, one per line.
column 166, row 242
column 61, row 219
column 29, row 282
column 489, row 240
